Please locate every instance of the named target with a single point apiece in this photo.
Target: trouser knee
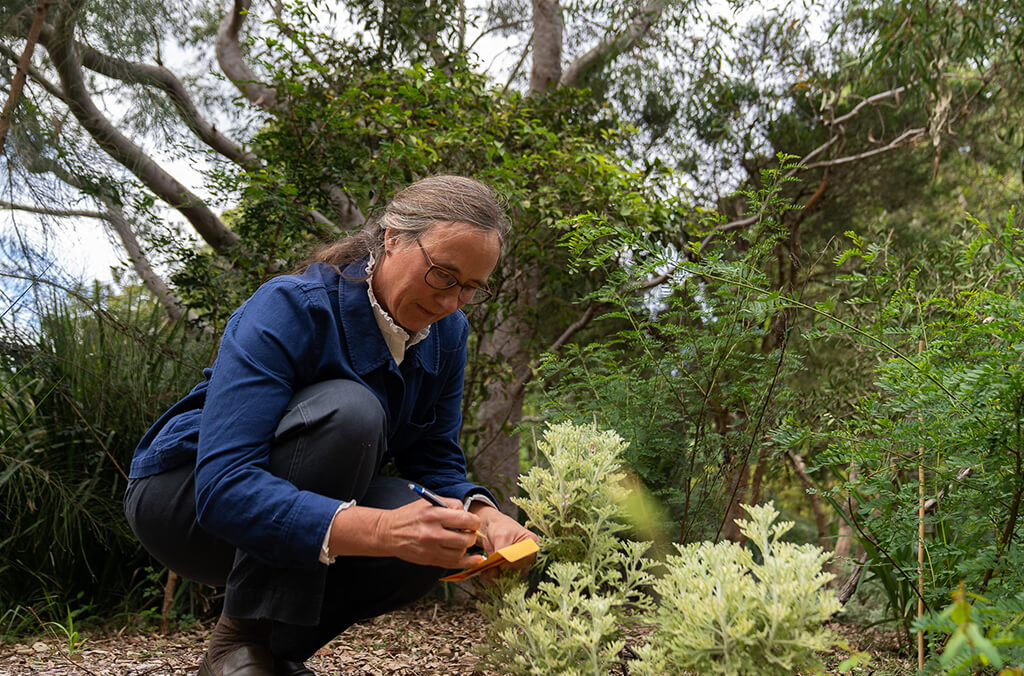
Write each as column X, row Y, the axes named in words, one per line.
column 331, row 439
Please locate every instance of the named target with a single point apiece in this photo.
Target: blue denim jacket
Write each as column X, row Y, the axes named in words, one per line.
column 297, row 330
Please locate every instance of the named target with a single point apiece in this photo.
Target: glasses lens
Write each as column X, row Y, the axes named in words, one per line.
column 473, row 295
column 439, row 279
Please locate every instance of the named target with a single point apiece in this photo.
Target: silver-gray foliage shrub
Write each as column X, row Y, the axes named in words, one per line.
column 719, row 610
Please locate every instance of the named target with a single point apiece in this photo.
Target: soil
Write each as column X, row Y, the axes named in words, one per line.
column 424, row 640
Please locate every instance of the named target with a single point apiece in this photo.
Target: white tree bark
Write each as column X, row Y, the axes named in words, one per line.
column 61, row 46
column 232, row 63
column 547, row 45
column 613, row 45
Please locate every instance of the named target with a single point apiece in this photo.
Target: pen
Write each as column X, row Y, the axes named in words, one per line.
column 434, row 499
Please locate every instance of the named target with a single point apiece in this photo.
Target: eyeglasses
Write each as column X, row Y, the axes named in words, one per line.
column 438, row 278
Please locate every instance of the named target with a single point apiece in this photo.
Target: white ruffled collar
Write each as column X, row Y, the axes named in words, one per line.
column 398, row 339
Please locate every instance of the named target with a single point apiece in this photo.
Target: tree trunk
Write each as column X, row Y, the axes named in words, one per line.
column 547, row 45
column 820, row 520
column 495, row 460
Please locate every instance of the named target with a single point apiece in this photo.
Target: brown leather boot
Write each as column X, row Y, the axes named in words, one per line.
column 238, row 647
column 245, row 660
column 289, row 668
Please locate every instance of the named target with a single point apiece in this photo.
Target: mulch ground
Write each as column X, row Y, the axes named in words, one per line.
column 424, row 640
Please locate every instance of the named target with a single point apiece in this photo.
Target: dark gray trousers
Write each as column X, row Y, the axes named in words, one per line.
column 331, row 440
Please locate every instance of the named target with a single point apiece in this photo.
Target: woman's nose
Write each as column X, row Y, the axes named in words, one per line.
column 450, row 300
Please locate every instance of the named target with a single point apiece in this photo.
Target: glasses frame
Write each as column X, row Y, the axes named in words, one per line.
column 480, row 294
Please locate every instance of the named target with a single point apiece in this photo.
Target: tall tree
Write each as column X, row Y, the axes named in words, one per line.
column 713, row 95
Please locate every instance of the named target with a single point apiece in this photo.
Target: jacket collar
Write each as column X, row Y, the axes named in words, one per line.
column 366, row 347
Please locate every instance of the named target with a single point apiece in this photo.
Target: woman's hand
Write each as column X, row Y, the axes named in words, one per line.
column 501, row 531
column 432, row 536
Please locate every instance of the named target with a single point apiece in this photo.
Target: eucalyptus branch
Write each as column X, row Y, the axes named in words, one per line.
column 613, row 45
column 62, row 48
column 163, row 79
column 60, row 213
column 232, row 63
column 114, row 215
column 908, row 137
column 140, row 262
column 229, row 56
column 869, row 101
column 36, row 76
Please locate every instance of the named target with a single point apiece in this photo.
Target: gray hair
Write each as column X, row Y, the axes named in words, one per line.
column 413, row 211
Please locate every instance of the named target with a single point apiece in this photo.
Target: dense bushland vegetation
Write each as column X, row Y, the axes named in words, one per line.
column 79, row 390
column 780, row 256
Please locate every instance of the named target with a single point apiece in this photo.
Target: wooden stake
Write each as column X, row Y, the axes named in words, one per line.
column 920, row 561
column 920, row 543
column 165, row 612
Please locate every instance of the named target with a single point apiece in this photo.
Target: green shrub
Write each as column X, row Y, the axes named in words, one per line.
column 976, row 633
column 948, row 403
column 573, row 623
column 79, row 390
column 721, row 611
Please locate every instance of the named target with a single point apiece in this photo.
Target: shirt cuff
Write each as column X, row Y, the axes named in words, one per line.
column 477, row 497
column 325, row 557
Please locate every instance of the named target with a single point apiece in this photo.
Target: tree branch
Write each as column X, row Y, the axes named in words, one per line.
column 18, row 82
column 519, row 64
column 36, row 76
column 497, row 27
column 156, row 285
column 59, row 213
column 869, row 101
column 61, row 46
column 163, row 79
column 570, row 331
column 909, row 136
column 229, row 56
column 613, row 45
column 114, row 215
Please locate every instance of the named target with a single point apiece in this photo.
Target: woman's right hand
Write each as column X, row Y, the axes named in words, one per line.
column 428, row 535
column 417, row 532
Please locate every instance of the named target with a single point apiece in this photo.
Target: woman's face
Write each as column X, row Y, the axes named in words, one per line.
column 466, row 252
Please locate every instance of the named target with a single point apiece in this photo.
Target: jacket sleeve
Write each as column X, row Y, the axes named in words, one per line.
column 436, row 460
column 269, row 345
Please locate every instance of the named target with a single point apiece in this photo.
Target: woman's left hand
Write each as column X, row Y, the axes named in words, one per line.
column 501, row 531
